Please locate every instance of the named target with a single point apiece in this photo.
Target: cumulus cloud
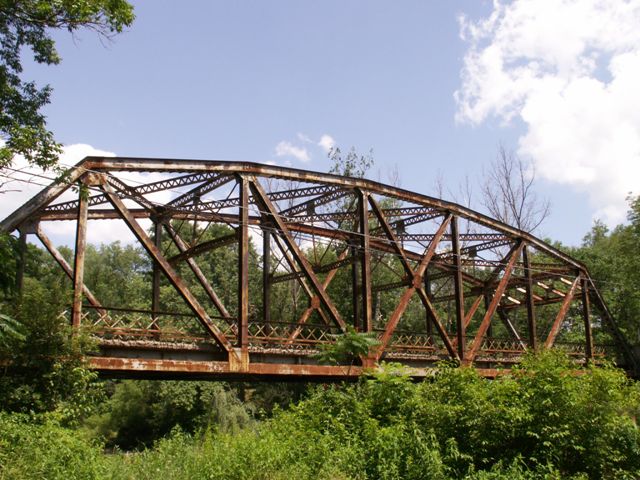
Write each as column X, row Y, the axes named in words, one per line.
column 22, row 181
column 326, row 142
column 287, row 149
column 568, row 70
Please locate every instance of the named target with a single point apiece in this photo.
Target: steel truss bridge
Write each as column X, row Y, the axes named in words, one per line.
column 314, row 254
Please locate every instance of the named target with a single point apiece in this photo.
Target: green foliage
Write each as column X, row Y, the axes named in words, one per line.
column 118, row 275
column 543, row 421
column 613, row 261
column 8, row 259
column 351, row 165
column 28, row 23
column 43, row 449
column 140, row 412
column 12, row 332
column 46, row 371
column 347, row 347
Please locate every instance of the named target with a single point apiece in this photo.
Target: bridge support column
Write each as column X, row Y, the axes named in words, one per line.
column 78, row 264
column 530, row 302
column 155, row 280
column 243, row 268
column 365, row 261
column 586, row 315
column 458, row 288
column 266, row 277
column 355, row 287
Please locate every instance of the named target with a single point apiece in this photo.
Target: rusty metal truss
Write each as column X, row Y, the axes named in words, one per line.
column 430, row 279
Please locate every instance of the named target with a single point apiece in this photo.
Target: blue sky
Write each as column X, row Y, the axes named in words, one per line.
column 235, row 80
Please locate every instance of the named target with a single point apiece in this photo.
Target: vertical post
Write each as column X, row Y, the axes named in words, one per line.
column 487, row 301
column 355, row 291
column 531, row 316
column 586, row 314
column 266, row 276
column 429, row 319
column 365, row 261
column 22, row 252
column 78, row 264
column 243, row 267
column 458, row 287
column 155, row 280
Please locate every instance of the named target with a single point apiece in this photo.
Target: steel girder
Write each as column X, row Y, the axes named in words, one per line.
column 348, row 252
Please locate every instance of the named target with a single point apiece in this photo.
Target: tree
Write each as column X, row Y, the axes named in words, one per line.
column 507, row 192
column 28, row 23
column 613, row 261
column 351, row 165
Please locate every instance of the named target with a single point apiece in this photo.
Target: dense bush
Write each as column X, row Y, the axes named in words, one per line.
column 40, row 448
column 542, row 421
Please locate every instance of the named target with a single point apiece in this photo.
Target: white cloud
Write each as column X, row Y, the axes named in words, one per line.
column 303, row 137
column 569, row 70
column 327, row 142
column 26, row 181
column 287, row 149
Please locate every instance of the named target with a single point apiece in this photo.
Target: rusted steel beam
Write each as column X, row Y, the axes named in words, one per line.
column 204, row 247
column 355, row 288
column 55, row 253
column 458, row 287
column 365, row 259
column 200, row 276
column 78, row 264
column 130, row 193
column 243, row 266
column 493, row 305
column 530, row 302
column 472, row 310
column 586, row 316
column 133, row 367
column 158, row 186
column 269, row 210
column 391, row 286
column 266, row 276
column 215, row 368
column 332, row 194
column 212, row 182
column 156, row 272
column 169, row 272
column 564, row 308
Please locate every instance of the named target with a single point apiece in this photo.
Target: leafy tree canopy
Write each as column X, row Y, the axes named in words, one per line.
column 28, row 23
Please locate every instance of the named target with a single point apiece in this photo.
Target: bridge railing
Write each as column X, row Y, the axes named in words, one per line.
column 139, row 325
